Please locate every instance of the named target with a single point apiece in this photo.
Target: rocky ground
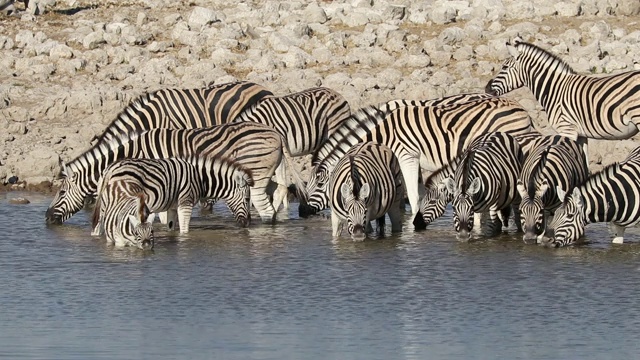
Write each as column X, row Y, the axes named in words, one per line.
column 67, row 73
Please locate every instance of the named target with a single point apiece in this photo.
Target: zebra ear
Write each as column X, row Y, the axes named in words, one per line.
column 577, row 197
column 543, row 188
column 450, row 185
column 521, row 190
column 63, row 168
column 474, row 187
column 512, row 46
column 364, row 191
column 345, row 190
column 239, row 179
column 134, row 220
column 561, row 193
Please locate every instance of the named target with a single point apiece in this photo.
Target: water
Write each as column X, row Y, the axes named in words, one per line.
column 289, row 292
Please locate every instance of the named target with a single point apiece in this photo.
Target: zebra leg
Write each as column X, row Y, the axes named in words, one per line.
column 260, row 200
column 395, row 215
column 336, row 224
column 410, row 168
column 583, row 141
column 517, row 216
column 493, row 226
column 184, row 217
column 280, row 194
column 618, row 233
column 380, row 222
column 505, row 213
column 163, row 217
column 171, row 219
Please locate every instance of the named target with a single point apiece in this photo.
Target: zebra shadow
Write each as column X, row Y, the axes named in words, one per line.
column 75, row 10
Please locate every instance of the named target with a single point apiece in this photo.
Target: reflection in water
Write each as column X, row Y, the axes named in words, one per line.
column 289, row 291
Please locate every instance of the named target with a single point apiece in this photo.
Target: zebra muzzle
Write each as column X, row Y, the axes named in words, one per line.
column 146, row 245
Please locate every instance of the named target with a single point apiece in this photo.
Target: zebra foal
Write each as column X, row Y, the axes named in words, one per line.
column 484, row 182
column 553, row 161
column 611, row 195
column 365, row 185
column 578, row 106
column 173, row 184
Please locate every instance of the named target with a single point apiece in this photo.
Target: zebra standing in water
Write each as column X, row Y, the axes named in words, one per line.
column 421, row 138
column 256, row 147
column 365, row 185
column 554, row 161
column 578, row 106
column 611, row 195
column 184, row 109
column 172, row 184
column 484, row 182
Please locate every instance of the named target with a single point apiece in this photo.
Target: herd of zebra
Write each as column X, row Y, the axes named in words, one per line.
column 170, row 149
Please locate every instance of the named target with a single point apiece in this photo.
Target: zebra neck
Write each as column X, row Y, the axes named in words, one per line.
column 546, row 87
column 598, row 206
column 93, row 162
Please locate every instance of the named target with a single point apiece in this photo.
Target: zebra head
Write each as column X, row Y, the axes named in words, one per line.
column 69, row 199
column 239, row 200
column 508, row 79
column 532, row 210
column 462, row 204
column 434, row 202
column 142, row 233
column 568, row 222
column 317, row 198
column 354, row 200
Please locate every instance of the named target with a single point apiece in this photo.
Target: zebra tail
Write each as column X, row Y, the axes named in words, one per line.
column 300, row 185
column 95, row 217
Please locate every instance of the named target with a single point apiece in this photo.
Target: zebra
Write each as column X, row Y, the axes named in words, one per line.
column 484, row 182
column 554, row 161
column 184, row 108
column 365, row 185
column 305, row 119
column 419, row 136
column 447, row 100
column 578, row 106
column 127, row 220
column 256, row 147
column 174, row 183
column 610, row 195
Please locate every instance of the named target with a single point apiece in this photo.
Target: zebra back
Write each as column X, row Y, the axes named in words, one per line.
column 443, row 101
column 577, row 106
column 185, row 108
column 305, row 119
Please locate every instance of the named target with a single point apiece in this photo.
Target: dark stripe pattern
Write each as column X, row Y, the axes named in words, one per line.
column 611, row 195
column 553, row 161
column 365, row 185
column 484, row 182
column 578, row 106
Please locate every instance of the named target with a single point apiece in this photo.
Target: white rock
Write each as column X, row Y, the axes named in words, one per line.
column 93, row 40
column 451, row 35
column 24, row 38
column 201, row 17
column 567, row 8
column 315, row 14
column 443, row 14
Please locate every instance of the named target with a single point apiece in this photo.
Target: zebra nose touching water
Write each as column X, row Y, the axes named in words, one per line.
column 484, row 182
column 610, row 195
column 365, row 185
column 553, row 161
column 170, row 185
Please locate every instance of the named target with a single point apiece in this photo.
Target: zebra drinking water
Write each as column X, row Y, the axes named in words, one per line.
column 172, row 184
column 127, row 220
column 611, row 195
column 553, row 161
column 484, row 182
column 422, row 138
column 578, row 106
column 256, row 147
column 365, row 185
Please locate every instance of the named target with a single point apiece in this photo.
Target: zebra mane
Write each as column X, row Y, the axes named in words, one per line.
column 355, row 176
column 246, row 114
column 466, row 164
column 546, row 56
column 98, row 151
column 130, row 111
column 531, row 186
column 349, row 133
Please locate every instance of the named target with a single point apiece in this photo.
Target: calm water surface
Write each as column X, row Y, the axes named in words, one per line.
column 289, row 292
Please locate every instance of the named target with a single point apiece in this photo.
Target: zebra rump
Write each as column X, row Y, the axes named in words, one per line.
column 611, row 195
column 365, row 185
